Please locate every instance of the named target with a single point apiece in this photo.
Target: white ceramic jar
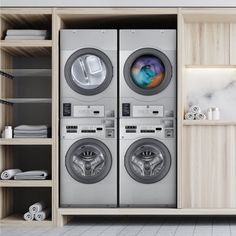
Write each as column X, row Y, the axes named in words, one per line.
column 8, row 132
column 209, row 113
column 215, row 113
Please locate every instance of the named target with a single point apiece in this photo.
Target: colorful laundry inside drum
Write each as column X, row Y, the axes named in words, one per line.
column 147, row 72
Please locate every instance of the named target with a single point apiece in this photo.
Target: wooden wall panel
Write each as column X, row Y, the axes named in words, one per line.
column 233, row 44
column 207, row 43
column 209, row 164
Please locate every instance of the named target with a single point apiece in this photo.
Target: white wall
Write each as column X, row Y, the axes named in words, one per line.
column 120, row 3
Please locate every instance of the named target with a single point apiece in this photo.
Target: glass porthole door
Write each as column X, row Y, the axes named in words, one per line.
column 147, row 71
column 88, row 71
column 147, row 161
column 88, row 161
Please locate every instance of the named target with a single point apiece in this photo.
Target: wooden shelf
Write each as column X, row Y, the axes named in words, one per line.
column 143, row 211
column 210, row 66
column 27, row 48
column 17, row 219
column 25, row 183
column 26, row 141
column 25, row 100
column 15, row 73
column 26, row 43
column 208, row 122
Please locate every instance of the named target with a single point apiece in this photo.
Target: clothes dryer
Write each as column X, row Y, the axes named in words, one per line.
column 147, row 73
column 88, row 73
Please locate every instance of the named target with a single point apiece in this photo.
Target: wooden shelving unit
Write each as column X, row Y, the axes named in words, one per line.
column 28, row 88
column 207, row 163
column 206, row 149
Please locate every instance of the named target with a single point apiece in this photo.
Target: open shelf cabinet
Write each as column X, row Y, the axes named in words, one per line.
column 17, row 201
column 207, row 76
column 27, row 97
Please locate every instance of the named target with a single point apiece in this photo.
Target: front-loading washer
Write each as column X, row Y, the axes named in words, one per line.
column 147, row 162
column 88, row 163
column 88, row 73
column 147, row 73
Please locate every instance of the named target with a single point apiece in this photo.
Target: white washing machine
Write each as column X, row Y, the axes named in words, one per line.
column 147, row 162
column 88, row 74
column 147, row 73
column 88, row 163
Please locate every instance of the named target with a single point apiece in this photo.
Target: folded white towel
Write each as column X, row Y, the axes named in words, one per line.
column 29, row 132
column 37, row 207
column 10, row 173
column 200, row 116
column 33, row 177
column 34, row 173
column 26, row 37
column 23, row 32
column 28, row 216
column 189, row 116
column 195, row 109
column 30, row 136
column 31, row 127
column 42, row 215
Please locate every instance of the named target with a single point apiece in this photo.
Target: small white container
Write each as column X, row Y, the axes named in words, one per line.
column 8, row 132
column 209, row 113
column 215, row 113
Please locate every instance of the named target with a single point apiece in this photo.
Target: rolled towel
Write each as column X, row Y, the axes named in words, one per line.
column 28, row 216
column 189, row 116
column 195, row 109
column 10, row 173
column 37, row 207
column 42, row 215
column 200, row 116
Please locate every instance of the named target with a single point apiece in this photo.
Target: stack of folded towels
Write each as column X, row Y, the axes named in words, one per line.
column 31, row 131
column 37, row 211
column 195, row 113
column 27, row 175
column 24, row 34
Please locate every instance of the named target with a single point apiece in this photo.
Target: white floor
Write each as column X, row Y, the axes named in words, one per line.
column 132, row 226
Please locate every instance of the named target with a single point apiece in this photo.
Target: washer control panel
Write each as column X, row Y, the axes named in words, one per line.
column 162, row 128
column 106, row 129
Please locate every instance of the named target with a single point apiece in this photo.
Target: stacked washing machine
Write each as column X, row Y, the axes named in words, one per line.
column 92, row 174
column 147, row 118
column 88, row 118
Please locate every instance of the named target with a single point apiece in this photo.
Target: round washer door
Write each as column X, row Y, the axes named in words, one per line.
column 147, row 71
column 88, row 161
column 147, row 161
column 88, row 71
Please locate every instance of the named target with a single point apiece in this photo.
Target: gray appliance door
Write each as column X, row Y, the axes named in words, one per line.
column 147, row 71
column 88, row 161
column 147, row 161
column 88, row 71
